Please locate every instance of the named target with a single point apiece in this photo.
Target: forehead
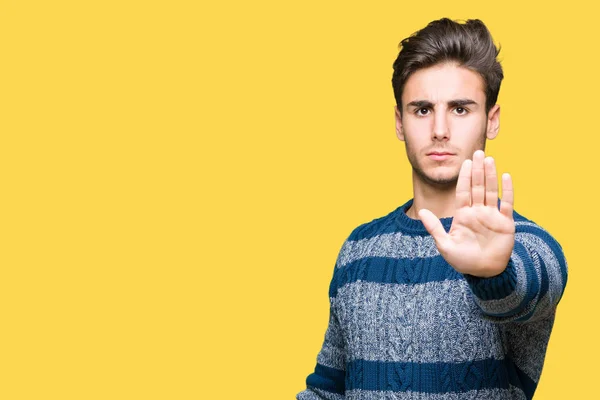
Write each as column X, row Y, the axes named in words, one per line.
column 443, row 82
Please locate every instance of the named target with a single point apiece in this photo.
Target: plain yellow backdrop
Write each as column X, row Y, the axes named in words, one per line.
column 177, row 179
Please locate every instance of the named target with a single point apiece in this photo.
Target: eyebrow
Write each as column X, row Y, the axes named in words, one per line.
column 451, row 103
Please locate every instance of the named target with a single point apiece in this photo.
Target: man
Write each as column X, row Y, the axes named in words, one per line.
column 453, row 294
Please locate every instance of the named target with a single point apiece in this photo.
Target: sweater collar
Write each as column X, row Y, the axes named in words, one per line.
column 415, row 225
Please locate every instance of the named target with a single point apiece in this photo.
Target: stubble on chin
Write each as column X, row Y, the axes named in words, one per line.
column 449, row 181
column 444, row 182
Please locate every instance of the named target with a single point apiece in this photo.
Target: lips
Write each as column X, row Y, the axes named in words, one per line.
column 439, row 156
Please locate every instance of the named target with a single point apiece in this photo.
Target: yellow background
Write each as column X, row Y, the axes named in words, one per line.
column 177, row 179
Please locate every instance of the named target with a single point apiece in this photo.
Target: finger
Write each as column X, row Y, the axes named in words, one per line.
column 507, row 204
column 491, row 183
column 434, row 227
column 477, row 178
column 463, row 186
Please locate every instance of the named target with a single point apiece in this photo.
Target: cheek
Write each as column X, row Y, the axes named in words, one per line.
column 472, row 129
column 467, row 123
column 417, row 131
column 412, row 124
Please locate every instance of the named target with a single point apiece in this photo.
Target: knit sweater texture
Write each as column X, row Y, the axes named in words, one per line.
column 404, row 324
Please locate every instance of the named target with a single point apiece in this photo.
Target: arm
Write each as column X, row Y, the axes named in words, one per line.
column 532, row 284
column 327, row 381
column 516, row 270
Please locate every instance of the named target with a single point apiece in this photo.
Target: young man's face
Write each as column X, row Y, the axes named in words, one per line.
column 443, row 110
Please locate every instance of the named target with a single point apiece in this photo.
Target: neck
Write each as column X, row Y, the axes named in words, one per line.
column 440, row 200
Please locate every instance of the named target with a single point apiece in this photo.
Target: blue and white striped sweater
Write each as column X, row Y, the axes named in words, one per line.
column 405, row 325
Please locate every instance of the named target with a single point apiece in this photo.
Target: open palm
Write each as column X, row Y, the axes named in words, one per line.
column 481, row 238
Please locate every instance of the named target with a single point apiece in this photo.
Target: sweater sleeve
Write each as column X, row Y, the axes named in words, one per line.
column 327, row 382
column 531, row 286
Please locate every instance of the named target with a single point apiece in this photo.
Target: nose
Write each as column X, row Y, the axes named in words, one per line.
column 440, row 126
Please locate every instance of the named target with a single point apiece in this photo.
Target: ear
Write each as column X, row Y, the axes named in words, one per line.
column 399, row 130
column 493, row 123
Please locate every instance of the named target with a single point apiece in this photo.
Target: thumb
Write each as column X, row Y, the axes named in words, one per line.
column 434, row 226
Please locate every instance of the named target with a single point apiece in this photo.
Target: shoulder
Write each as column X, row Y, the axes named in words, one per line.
column 528, row 231
column 362, row 239
column 378, row 226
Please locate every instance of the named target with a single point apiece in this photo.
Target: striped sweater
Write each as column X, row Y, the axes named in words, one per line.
column 403, row 324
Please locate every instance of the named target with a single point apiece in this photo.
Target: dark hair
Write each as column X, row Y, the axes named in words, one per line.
column 469, row 44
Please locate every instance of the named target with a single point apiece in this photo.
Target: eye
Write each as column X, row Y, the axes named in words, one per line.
column 460, row 110
column 422, row 111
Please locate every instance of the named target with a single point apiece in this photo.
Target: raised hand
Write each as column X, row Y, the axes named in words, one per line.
column 481, row 238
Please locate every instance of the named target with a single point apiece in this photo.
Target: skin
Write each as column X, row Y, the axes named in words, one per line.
column 443, row 109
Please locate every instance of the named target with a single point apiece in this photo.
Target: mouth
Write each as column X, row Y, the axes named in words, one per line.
column 439, row 156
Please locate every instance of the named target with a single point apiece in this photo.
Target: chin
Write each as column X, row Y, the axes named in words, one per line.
column 447, row 179
column 446, row 182
column 435, row 175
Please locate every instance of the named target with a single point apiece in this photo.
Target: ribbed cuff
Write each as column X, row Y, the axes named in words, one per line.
column 496, row 287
